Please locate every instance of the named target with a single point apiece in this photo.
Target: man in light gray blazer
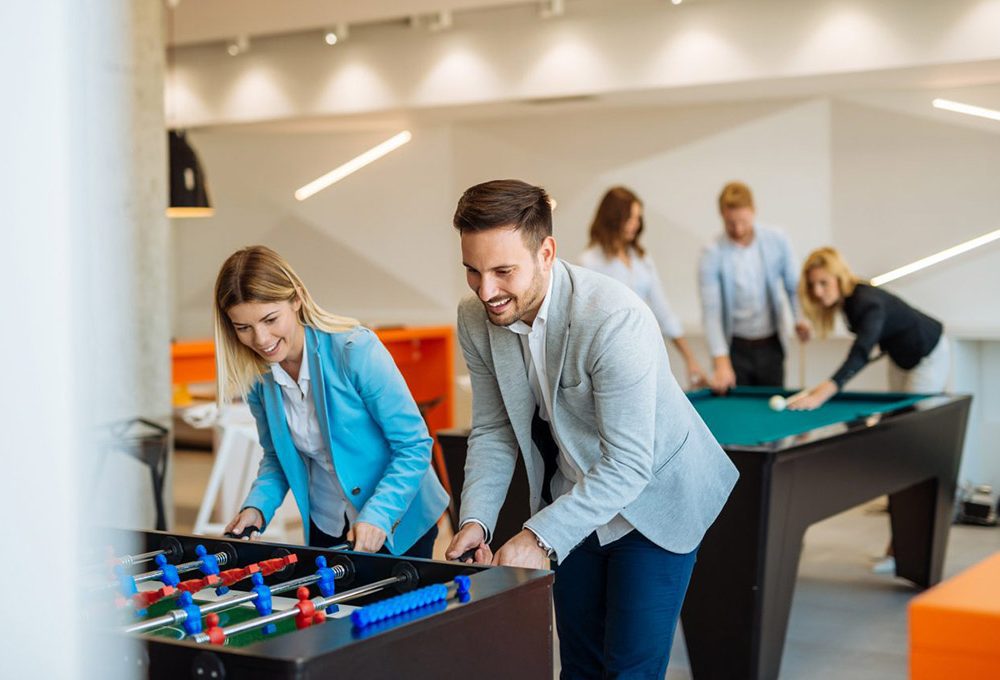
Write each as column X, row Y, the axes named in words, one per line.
column 569, row 371
column 747, row 279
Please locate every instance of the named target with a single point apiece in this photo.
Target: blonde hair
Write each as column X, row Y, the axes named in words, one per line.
column 258, row 274
column 827, row 258
column 735, row 195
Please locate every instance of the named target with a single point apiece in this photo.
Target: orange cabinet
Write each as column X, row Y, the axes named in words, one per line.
column 193, row 361
column 426, row 358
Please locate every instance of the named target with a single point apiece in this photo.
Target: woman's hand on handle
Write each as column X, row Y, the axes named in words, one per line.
column 366, row 537
column 247, row 517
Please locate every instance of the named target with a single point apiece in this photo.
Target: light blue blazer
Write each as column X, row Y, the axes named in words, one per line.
column 715, row 279
column 377, row 437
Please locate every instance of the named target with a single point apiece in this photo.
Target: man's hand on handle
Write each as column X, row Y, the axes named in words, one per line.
column 470, row 538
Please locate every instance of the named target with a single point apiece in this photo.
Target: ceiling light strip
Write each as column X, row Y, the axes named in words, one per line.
column 930, row 260
column 353, row 165
column 968, row 109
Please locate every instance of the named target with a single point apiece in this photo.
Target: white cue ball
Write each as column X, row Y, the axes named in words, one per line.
column 777, row 403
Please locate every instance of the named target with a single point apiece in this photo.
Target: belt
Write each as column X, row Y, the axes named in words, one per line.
column 755, row 342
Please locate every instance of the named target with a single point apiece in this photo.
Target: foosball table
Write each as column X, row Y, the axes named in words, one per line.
column 217, row 608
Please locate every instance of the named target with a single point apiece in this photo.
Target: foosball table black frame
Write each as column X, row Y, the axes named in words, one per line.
column 504, row 631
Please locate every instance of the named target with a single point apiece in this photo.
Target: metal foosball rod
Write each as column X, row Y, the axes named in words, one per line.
column 176, row 616
column 319, row 604
column 129, row 561
column 221, row 558
column 170, row 547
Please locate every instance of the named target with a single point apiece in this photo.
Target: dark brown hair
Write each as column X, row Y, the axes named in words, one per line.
column 612, row 213
column 506, row 203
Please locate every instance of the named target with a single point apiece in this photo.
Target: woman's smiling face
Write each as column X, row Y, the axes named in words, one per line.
column 271, row 329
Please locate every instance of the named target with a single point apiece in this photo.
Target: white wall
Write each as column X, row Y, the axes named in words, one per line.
column 883, row 186
column 83, row 184
column 373, row 246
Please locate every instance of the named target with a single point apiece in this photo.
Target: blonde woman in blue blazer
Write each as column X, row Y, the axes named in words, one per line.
column 337, row 423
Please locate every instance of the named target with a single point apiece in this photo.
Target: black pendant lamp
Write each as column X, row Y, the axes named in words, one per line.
column 188, row 186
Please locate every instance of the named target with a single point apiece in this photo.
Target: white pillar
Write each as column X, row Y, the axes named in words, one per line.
column 83, row 331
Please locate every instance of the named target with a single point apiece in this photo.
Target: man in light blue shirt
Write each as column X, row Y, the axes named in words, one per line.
column 748, row 278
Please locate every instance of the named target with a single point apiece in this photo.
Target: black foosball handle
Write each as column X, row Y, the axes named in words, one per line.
column 246, row 533
column 467, row 555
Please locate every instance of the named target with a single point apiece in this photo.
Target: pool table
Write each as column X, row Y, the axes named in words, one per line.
column 797, row 468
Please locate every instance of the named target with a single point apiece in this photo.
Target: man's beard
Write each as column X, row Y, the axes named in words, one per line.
column 531, row 297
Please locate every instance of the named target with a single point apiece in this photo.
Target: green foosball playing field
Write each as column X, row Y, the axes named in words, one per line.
column 231, row 617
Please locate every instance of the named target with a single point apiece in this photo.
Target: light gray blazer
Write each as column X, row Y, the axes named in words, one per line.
column 715, row 283
column 617, row 409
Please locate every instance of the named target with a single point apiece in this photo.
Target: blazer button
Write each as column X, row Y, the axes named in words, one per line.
column 355, row 491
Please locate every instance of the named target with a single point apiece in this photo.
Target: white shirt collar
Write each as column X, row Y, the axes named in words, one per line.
column 281, row 375
column 739, row 246
column 522, row 328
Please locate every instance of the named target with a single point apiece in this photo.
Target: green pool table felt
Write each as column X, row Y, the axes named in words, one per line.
column 743, row 417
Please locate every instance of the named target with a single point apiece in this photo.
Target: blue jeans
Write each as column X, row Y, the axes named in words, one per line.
column 617, row 607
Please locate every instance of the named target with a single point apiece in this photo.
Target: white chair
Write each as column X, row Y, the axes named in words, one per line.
column 237, row 457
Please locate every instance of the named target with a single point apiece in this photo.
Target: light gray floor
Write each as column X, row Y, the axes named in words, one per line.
column 846, row 622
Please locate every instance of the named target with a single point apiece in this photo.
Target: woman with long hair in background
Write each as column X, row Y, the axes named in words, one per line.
column 615, row 250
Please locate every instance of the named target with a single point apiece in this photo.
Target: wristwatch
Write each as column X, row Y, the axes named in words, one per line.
column 549, row 551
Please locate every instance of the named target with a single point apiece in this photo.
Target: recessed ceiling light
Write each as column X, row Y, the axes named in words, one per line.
column 238, row 46
column 551, row 8
column 337, row 34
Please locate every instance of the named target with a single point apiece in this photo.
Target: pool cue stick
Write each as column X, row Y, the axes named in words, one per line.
column 802, row 365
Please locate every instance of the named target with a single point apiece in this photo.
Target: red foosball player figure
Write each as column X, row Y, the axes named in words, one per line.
column 307, row 615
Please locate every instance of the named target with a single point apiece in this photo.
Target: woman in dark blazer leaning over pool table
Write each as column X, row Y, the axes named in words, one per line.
column 919, row 356
column 337, row 423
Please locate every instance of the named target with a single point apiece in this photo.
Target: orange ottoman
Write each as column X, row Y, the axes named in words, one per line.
column 955, row 626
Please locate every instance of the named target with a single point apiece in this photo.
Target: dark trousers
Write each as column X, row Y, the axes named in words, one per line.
column 758, row 362
column 617, row 607
column 424, row 547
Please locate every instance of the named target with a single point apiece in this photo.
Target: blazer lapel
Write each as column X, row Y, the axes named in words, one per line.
column 512, row 378
column 557, row 329
column 318, row 385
